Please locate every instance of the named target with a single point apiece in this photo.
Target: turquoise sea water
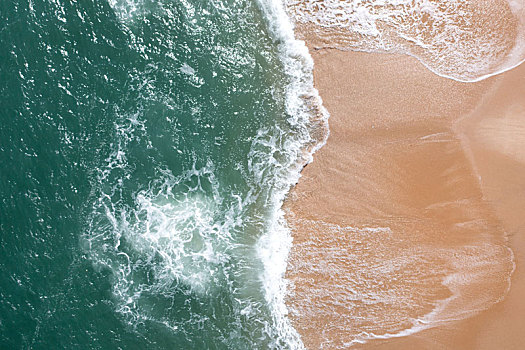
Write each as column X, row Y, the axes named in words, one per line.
column 146, row 148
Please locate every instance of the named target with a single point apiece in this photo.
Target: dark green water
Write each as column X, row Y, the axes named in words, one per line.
column 146, row 147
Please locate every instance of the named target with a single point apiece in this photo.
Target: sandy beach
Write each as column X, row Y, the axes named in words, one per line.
column 403, row 222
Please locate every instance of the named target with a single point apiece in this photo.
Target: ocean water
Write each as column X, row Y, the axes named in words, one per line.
column 146, row 149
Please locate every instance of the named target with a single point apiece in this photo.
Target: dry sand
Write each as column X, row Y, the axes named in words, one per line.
column 405, row 212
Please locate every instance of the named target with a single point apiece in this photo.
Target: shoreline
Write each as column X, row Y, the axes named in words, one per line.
column 396, row 162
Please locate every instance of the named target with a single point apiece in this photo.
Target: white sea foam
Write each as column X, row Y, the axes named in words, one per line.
column 461, row 40
column 304, row 107
column 127, row 10
column 186, row 69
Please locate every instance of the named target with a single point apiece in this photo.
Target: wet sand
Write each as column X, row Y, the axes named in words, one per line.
column 402, row 223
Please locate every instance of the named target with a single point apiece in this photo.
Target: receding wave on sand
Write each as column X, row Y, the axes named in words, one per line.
column 462, row 40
